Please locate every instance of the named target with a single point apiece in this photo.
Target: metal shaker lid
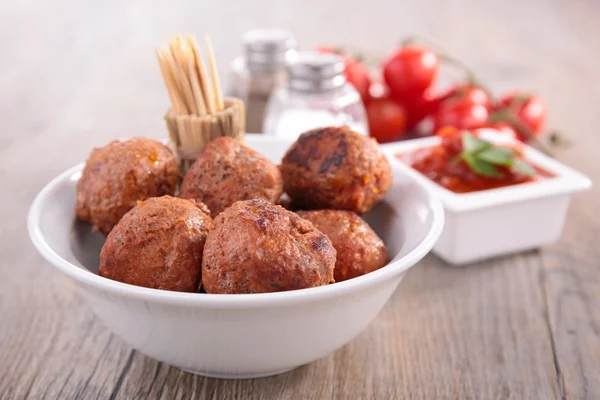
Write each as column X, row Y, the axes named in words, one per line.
column 315, row 71
column 268, row 48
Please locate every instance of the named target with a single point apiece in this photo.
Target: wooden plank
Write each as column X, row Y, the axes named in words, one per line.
column 571, row 268
column 46, row 354
column 572, row 288
column 518, row 327
column 457, row 333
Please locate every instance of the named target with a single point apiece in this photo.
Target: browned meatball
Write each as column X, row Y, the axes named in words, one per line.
column 121, row 173
column 337, row 168
column 227, row 171
column 359, row 249
column 158, row 244
column 256, row 247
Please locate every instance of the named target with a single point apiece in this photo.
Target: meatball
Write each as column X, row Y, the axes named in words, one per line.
column 121, row 173
column 158, row 244
column 256, row 247
column 336, row 168
column 359, row 249
column 227, row 171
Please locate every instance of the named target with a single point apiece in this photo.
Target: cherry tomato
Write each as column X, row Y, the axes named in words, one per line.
column 421, row 106
column 461, row 114
column 416, row 110
column 530, row 110
column 469, row 93
column 409, row 71
column 378, row 89
column 357, row 73
column 387, row 119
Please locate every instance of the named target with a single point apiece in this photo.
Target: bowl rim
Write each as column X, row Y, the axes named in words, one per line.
column 88, row 278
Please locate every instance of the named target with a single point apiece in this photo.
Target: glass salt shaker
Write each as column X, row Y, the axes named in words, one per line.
column 317, row 95
column 257, row 73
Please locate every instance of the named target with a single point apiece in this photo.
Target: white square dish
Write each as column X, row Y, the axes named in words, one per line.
column 501, row 221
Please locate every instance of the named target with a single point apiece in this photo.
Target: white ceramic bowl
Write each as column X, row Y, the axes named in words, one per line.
column 237, row 336
column 501, row 221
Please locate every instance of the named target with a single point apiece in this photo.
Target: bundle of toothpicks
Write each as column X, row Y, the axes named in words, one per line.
column 198, row 112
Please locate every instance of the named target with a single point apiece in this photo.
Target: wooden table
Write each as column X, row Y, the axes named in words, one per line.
column 76, row 74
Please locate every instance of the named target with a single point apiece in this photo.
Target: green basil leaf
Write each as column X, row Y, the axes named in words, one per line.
column 498, row 156
column 523, row 167
column 472, row 144
column 454, row 160
column 480, row 167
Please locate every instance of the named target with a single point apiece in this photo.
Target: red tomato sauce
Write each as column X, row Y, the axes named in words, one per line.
column 436, row 163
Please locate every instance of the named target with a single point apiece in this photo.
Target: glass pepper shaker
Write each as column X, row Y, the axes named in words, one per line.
column 257, row 73
column 317, row 95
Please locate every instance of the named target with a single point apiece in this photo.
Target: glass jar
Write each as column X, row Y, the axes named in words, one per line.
column 317, row 95
column 261, row 70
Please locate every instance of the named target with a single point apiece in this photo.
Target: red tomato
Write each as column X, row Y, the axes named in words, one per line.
column 420, row 107
column 378, row 89
column 387, row 120
column 417, row 109
column 469, row 93
column 358, row 75
column 410, row 70
column 530, row 110
column 461, row 114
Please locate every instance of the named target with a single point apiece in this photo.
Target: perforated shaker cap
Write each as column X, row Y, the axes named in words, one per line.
column 268, row 48
column 312, row 71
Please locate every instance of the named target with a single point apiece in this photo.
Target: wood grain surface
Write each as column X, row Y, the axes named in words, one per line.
column 75, row 74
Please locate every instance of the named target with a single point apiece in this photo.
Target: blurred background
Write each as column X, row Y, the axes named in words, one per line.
column 90, row 61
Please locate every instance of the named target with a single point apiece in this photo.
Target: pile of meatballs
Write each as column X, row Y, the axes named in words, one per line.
column 227, row 231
